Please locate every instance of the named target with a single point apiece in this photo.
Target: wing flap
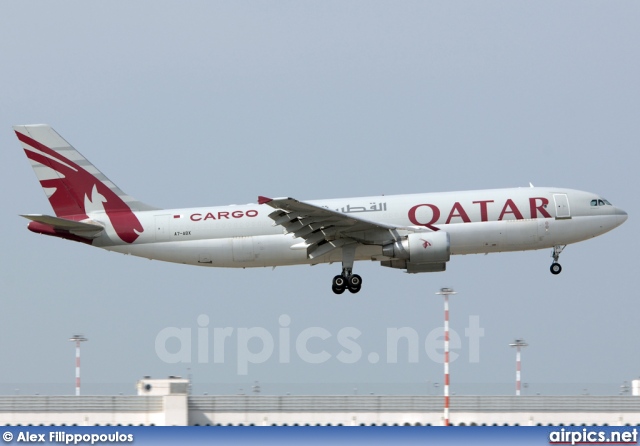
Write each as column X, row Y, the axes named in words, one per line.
column 323, row 229
column 322, row 234
column 325, row 248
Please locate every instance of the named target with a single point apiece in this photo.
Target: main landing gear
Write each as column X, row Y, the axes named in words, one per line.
column 347, row 280
column 555, row 266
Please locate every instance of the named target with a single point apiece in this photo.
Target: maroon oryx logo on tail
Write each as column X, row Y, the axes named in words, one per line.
column 74, row 184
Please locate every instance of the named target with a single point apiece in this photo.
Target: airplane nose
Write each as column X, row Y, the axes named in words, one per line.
column 622, row 215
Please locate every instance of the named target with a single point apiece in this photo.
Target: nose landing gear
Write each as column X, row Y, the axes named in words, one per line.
column 555, row 266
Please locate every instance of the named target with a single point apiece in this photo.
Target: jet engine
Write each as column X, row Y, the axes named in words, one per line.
column 419, row 252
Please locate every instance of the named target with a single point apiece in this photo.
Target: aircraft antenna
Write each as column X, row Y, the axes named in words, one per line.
column 518, row 344
column 78, row 339
column 446, row 292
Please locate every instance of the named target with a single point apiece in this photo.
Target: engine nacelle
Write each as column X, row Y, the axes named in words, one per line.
column 421, row 247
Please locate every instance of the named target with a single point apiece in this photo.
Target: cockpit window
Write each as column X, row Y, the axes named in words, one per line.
column 600, row 202
column 606, row 202
column 594, row 202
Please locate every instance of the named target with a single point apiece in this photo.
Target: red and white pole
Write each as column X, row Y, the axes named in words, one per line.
column 446, row 359
column 77, row 368
column 78, row 339
column 446, row 292
column 518, row 344
column 518, row 371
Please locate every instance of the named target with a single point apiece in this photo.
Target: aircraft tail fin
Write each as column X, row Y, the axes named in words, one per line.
column 68, row 178
column 73, row 185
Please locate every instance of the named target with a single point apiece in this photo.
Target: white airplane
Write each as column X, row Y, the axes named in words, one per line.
column 417, row 233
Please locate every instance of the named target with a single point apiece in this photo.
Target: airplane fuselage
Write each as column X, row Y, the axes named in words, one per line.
column 482, row 221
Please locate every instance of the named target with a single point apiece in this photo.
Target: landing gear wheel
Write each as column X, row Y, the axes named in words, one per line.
column 555, row 268
column 339, row 284
column 354, row 283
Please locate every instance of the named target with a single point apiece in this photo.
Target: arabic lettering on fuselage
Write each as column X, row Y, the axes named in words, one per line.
column 373, row 207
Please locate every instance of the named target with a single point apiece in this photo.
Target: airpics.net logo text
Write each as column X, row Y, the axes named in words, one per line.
column 312, row 345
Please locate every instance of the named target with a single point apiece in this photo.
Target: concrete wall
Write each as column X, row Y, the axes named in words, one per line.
column 413, row 419
column 181, row 409
column 82, row 410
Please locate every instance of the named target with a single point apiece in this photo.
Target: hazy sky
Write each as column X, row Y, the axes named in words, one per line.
column 210, row 103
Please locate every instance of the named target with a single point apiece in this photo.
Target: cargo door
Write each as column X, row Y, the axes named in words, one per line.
column 243, row 249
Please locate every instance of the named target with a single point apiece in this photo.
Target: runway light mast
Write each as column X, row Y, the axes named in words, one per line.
column 518, row 344
column 446, row 292
column 78, row 339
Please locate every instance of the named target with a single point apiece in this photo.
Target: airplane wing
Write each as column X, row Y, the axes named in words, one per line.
column 81, row 229
column 324, row 229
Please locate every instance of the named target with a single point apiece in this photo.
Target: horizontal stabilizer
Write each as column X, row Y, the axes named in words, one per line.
column 81, row 229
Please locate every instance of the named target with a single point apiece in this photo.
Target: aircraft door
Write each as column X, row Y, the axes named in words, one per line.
column 562, row 206
column 162, row 228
